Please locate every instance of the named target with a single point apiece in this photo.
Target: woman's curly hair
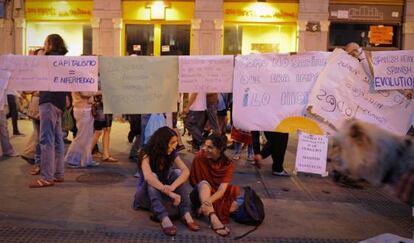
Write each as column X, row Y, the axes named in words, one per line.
column 56, row 44
column 156, row 150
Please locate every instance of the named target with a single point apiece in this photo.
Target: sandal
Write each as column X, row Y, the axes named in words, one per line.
column 216, row 230
column 110, row 159
column 35, row 170
column 193, row 226
column 41, row 183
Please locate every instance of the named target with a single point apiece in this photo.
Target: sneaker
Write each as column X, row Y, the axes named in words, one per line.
column 72, row 166
column 282, row 173
column 93, row 164
column 236, row 157
column 250, row 158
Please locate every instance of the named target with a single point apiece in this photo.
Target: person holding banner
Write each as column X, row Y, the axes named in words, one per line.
column 196, row 118
column 51, row 106
column 159, row 183
column 79, row 154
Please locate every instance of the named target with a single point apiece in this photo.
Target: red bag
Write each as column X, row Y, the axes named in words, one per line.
column 241, row 136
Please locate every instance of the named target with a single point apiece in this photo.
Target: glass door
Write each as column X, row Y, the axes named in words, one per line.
column 139, row 39
column 175, row 40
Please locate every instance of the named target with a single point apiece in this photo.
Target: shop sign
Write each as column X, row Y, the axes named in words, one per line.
column 380, row 35
column 261, row 12
column 365, row 13
column 59, row 10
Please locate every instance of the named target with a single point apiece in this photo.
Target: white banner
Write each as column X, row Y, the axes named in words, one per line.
column 28, row 73
column 393, row 69
column 212, row 74
column 268, row 88
column 311, row 155
column 342, row 92
column 51, row 73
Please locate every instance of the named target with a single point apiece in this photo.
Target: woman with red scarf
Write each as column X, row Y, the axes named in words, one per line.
column 211, row 175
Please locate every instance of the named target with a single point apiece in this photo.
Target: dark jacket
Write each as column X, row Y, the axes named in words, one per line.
column 57, row 99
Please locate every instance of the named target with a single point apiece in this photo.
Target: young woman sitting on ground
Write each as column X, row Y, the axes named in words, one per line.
column 211, row 174
column 159, row 181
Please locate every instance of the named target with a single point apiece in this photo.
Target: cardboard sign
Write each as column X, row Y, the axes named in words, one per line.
column 393, row 69
column 268, row 88
column 342, row 92
column 311, row 156
column 212, row 74
column 139, row 84
column 51, row 73
column 379, row 34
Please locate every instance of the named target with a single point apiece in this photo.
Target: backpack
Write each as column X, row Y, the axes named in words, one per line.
column 251, row 212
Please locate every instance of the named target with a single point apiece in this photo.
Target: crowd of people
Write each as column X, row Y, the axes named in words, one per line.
column 162, row 174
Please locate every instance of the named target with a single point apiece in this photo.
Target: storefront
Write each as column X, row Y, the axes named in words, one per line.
column 260, row 27
column 70, row 19
column 375, row 25
column 157, row 28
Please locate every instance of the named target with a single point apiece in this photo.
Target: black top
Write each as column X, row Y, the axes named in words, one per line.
column 57, row 99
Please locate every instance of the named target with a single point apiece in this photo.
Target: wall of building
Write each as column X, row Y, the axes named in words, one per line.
column 206, row 27
column 408, row 27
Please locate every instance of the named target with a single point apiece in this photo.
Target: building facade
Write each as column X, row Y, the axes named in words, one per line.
column 206, row 27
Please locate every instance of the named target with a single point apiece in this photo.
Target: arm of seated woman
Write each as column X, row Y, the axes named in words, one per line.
column 185, row 173
column 219, row 193
column 149, row 176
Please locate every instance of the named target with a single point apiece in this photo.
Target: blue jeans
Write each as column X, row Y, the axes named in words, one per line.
column 238, row 147
column 194, row 123
column 148, row 197
column 51, row 142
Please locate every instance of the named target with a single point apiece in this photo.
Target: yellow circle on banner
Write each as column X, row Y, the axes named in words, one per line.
column 294, row 123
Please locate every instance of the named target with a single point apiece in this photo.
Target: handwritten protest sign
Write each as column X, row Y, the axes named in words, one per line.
column 205, row 74
column 393, row 69
column 73, row 73
column 51, row 73
column 28, row 73
column 311, row 156
column 342, row 92
column 138, row 84
column 268, row 88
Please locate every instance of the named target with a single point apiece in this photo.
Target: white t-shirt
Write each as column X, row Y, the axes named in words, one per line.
column 200, row 103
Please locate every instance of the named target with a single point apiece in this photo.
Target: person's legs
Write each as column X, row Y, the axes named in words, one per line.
column 13, row 113
column 213, row 119
column 195, row 124
column 4, row 136
column 48, row 118
column 204, row 192
column 278, row 142
column 237, row 150
column 59, row 146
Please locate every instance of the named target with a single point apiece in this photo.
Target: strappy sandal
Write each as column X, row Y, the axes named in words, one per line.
column 41, row 183
column 216, row 230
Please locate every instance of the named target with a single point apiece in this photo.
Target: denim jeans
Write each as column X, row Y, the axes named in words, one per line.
column 148, row 197
column 194, row 123
column 213, row 118
column 51, row 142
column 238, row 148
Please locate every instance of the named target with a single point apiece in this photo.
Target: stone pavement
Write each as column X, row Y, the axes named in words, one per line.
column 94, row 205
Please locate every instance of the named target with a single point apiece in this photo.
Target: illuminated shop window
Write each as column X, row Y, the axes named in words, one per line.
column 175, row 40
column 259, row 38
